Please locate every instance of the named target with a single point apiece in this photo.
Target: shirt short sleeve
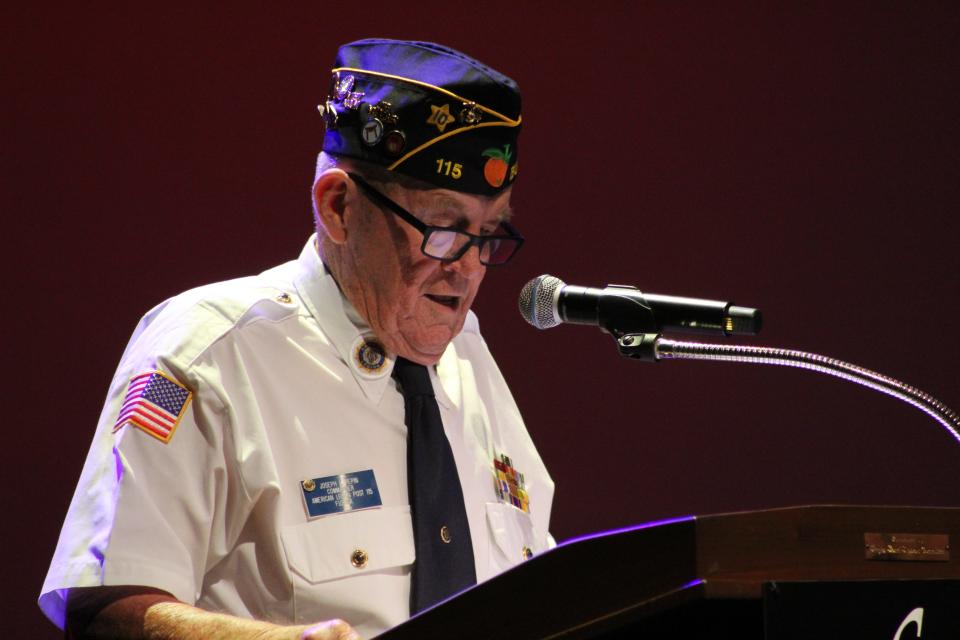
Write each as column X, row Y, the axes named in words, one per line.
column 144, row 509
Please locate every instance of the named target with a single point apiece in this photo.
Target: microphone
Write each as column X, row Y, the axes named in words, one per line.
column 547, row 301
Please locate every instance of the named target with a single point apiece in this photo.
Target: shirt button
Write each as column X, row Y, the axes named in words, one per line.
column 527, row 553
column 445, row 534
column 359, row 558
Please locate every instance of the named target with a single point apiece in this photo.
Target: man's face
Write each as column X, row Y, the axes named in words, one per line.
column 415, row 304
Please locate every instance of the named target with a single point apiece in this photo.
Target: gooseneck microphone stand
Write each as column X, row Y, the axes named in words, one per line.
column 651, row 347
column 636, row 320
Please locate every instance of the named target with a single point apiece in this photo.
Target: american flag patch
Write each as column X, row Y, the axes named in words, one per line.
column 155, row 404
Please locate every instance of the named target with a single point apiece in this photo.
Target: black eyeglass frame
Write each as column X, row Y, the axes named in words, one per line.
column 426, row 229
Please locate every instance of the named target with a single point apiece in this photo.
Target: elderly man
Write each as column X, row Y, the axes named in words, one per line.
column 330, row 440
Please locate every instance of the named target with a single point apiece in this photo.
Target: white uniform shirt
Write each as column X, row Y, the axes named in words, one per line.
column 217, row 516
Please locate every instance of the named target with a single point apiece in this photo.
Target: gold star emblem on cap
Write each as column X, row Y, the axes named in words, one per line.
column 440, row 116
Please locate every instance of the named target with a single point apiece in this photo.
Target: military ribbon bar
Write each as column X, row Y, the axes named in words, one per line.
column 510, row 484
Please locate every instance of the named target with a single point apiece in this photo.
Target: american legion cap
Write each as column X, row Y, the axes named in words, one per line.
column 426, row 111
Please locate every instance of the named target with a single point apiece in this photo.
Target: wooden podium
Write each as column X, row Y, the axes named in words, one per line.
column 705, row 576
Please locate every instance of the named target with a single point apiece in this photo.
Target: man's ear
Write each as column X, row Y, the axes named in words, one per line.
column 329, row 201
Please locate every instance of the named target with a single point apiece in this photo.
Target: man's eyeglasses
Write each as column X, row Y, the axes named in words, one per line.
column 446, row 244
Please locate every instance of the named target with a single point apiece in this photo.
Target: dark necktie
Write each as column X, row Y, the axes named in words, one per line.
column 441, row 533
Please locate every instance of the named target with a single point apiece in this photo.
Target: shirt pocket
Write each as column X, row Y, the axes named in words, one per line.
column 350, row 544
column 513, row 537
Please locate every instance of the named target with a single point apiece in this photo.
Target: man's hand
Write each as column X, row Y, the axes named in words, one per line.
column 142, row 613
column 330, row 630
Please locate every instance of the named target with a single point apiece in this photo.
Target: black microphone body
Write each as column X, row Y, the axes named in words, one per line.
column 618, row 309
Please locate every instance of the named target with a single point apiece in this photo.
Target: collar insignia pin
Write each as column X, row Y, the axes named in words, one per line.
column 369, row 357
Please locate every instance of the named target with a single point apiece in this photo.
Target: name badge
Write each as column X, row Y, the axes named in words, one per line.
column 344, row 492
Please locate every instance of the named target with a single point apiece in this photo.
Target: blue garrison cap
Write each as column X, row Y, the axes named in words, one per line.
column 426, row 111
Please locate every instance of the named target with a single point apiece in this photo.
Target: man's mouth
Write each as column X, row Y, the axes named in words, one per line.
column 451, row 302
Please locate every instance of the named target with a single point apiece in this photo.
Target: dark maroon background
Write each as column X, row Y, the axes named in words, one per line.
column 803, row 160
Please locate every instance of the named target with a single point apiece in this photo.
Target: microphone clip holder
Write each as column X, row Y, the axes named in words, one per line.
column 639, row 346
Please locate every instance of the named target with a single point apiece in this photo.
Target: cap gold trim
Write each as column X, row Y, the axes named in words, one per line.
column 448, row 134
column 429, row 86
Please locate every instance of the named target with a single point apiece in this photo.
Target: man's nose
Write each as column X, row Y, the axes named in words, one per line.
column 469, row 265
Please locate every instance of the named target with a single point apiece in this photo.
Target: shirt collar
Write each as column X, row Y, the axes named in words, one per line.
column 338, row 319
column 344, row 326
column 446, row 377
